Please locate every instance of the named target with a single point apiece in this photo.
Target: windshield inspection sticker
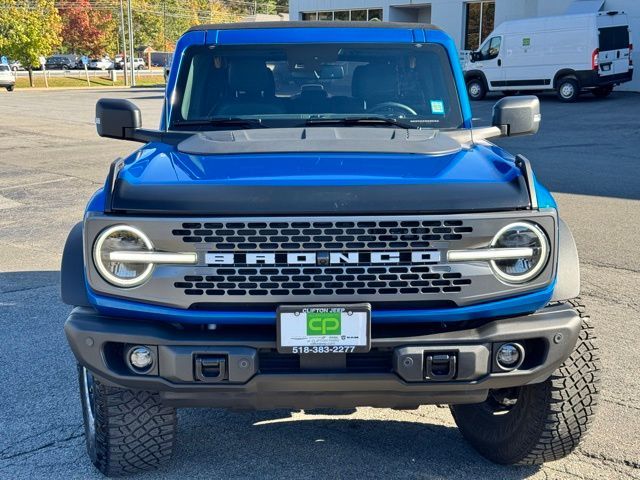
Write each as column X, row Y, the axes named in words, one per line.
column 437, row 107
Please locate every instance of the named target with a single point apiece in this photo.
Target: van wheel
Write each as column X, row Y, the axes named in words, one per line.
column 126, row 431
column 10, row 88
column 568, row 89
column 476, row 89
column 542, row 422
column 602, row 92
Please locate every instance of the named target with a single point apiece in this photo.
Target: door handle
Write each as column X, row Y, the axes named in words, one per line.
column 499, row 62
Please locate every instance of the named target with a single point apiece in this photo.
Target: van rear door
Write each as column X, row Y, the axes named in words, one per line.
column 614, row 42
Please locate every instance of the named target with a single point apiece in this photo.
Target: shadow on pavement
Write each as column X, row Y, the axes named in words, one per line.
column 276, row 445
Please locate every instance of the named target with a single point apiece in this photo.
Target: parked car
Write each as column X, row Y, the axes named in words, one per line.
column 60, row 62
column 350, row 242
column 15, row 65
column 138, row 63
column 7, row 80
column 100, row 64
column 524, row 55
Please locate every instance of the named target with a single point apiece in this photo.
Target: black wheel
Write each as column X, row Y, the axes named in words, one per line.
column 10, row 88
column 602, row 92
column 126, row 431
column 476, row 89
column 542, row 422
column 568, row 89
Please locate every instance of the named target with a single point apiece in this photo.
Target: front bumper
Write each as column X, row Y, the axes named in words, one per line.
column 252, row 375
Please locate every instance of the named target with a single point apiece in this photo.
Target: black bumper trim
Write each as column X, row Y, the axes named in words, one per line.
column 591, row 78
column 88, row 333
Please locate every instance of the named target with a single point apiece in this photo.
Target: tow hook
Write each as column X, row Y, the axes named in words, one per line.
column 210, row 369
column 440, row 367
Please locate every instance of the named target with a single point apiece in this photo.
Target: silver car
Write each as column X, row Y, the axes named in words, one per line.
column 7, row 80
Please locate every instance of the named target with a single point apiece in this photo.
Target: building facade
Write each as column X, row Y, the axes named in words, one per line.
column 468, row 22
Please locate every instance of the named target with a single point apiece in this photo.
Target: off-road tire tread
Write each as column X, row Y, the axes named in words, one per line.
column 135, row 432
column 568, row 401
column 575, row 389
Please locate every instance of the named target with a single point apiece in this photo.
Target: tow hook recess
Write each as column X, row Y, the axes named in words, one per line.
column 210, row 369
column 440, row 367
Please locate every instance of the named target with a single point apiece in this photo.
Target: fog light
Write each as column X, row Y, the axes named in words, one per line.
column 510, row 356
column 140, row 358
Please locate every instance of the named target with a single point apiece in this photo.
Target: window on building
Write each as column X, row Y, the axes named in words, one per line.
column 342, row 15
column 375, row 15
column 358, row 15
column 372, row 15
column 479, row 23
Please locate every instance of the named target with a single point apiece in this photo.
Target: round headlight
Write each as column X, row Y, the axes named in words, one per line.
column 521, row 235
column 122, row 238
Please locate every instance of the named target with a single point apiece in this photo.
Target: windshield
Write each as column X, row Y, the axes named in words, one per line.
column 261, row 86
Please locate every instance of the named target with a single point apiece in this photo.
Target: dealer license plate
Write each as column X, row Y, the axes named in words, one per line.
column 324, row 328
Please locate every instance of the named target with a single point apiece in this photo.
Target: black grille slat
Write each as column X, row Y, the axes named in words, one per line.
column 323, row 280
column 331, row 235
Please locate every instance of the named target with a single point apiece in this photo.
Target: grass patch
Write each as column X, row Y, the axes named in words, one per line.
column 81, row 81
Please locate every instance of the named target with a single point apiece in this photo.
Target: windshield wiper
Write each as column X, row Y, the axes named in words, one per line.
column 223, row 122
column 370, row 120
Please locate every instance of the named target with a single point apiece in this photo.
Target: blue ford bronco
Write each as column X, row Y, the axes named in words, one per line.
column 316, row 224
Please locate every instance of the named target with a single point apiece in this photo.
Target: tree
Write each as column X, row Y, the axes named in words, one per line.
column 147, row 23
column 85, row 29
column 266, row 7
column 29, row 30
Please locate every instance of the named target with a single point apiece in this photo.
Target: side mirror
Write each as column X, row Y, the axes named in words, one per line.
column 117, row 118
column 517, row 115
column 474, row 56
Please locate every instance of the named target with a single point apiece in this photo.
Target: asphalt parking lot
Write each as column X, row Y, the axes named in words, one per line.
column 51, row 161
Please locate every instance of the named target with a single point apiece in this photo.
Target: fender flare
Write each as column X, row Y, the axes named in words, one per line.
column 568, row 276
column 476, row 74
column 72, row 280
column 566, row 72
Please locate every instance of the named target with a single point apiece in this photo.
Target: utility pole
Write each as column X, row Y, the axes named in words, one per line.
column 131, row 53
column 124, row 44
column 164, row 26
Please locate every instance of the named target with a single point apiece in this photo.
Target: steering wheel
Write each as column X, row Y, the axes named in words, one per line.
column 390, row 107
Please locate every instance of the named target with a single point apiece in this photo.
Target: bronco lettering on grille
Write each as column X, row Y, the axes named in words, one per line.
column 322, row 258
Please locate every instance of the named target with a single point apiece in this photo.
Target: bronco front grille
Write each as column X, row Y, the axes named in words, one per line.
column 326, row 235
column 336, row 280
column 258, row 262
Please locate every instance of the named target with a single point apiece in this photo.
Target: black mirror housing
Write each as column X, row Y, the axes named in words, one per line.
column 117, row 118
column 517, row 115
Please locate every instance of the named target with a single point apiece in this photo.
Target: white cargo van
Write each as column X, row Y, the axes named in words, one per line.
column 568, row 54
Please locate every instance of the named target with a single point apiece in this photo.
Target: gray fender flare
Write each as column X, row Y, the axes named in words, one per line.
column 568, row 277
column 72, row 284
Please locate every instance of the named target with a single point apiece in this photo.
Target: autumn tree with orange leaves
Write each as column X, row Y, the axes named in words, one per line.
column 86, row 29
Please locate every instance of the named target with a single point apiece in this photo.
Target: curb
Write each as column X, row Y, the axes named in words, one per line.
column 104, row 87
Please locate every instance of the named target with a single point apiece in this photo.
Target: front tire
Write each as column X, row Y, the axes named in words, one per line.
column 10, row 88
column 538, row 423
column 476, row 89
column 126, row 431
